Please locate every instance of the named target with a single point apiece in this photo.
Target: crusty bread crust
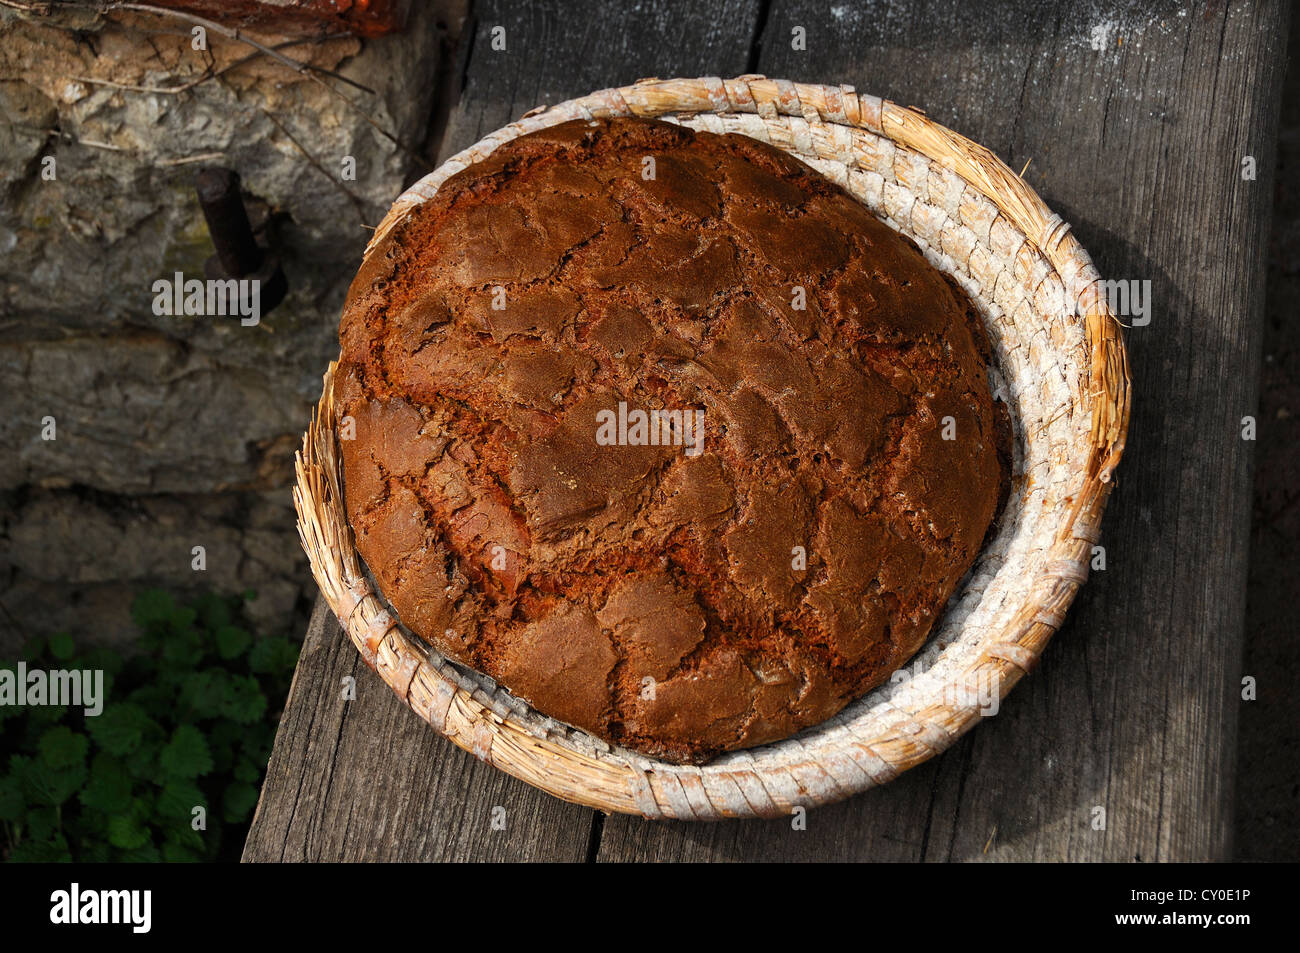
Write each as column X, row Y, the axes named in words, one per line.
column 677, row 603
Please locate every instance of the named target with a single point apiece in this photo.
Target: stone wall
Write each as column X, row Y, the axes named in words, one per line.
column 172, row 432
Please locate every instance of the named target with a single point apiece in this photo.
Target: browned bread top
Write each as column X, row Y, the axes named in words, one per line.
column 665, row 432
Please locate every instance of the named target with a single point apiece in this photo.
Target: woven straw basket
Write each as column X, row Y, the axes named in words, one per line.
column 1061, row 366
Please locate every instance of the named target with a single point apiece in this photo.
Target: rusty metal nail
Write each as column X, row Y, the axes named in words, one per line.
column 232, row 234
column 238, row 254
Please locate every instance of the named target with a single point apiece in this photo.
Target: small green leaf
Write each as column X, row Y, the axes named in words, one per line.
column 213, row 610
column 205, row 692
column 96, row 851
column 273, row 656
column 43, row 823
column 147, row 854
column 183, row 649
column 158, row 699
column 179, row 798
column 45, row 785
column 182, row 619
column 142, row 763
column 33, row 851
column 81, row 824
column 128, row 830
column 232, row 641
column 152, row 607
column 187, row 754
column 119, row 728
column 186, row 836
column 246, row 703
column 109, row 788
column 174, row 853
column 238, row 801
column 61, row 747
column 62, row 646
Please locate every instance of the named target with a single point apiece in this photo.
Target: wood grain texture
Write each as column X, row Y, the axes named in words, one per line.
column 558, row 49
column 1139, row 145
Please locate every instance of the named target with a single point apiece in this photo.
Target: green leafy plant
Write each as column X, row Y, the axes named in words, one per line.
column 185, row 733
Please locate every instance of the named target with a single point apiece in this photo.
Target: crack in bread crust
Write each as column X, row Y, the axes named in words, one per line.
column 652, row 597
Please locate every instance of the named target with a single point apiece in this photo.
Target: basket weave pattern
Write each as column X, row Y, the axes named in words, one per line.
column 1061, row 367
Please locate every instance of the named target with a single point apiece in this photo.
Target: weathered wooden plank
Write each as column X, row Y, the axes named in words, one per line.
column 1139, row 143
column 557, row 50
column 367, row 780
column 1268, row 769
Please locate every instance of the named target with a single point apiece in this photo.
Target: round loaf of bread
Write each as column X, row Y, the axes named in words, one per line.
column 665, row 432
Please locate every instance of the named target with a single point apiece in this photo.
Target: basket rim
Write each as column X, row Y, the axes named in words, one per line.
column 537, row 750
